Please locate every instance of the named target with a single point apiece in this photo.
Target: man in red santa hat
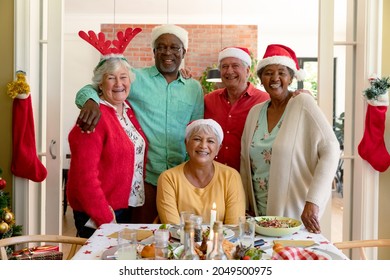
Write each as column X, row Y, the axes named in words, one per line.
column 229, row 106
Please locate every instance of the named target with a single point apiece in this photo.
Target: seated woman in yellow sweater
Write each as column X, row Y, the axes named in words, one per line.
column 199, row 182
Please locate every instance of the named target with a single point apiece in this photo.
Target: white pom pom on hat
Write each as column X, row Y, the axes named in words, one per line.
column 210, row 122
column 280, row 54
column 237, row 52
column 178, row 31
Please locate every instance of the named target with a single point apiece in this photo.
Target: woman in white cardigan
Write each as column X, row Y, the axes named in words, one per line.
column 289, row 152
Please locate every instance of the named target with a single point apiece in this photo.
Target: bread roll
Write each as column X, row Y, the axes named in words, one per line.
column 148, row 251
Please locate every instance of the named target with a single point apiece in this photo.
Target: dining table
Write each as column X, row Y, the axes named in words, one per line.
column 102, row 244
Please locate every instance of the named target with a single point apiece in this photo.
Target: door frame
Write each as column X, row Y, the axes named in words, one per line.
column 38, row 51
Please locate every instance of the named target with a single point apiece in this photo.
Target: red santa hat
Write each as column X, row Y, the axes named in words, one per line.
column 178, row 31
column 279, row 54
column 237, row 52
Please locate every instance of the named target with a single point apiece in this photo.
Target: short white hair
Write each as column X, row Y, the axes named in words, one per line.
column 213, row 125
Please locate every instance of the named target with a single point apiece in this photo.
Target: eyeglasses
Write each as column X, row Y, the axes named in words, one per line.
column 165, row 49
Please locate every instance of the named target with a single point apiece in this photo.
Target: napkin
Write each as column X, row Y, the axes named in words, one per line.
column 141, row 234
column 296, row 243
column 37, row 249
column 295, row 253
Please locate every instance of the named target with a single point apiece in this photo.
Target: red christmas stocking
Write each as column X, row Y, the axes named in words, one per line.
column 372, row 147
column 25, row 162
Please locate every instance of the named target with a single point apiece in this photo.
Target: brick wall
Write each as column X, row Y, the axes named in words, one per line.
column 204, row 43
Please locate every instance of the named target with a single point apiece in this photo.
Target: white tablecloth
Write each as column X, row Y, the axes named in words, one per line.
column 99, row 242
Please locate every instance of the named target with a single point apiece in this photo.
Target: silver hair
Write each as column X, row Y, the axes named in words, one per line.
column 110, row 65
column 204, row 128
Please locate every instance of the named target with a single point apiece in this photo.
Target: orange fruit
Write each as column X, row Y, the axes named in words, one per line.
column 277, row 247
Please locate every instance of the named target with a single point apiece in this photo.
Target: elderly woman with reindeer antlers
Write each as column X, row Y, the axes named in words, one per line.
column 106, row 172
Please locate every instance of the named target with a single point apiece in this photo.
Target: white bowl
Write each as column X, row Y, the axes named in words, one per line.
column 293, row 226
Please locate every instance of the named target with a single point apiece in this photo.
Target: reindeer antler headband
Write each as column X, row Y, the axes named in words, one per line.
column 100, row 43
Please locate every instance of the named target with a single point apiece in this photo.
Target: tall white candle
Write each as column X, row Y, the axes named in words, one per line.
column 213, row 218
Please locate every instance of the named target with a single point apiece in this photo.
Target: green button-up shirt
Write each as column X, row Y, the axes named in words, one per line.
column 163, row 111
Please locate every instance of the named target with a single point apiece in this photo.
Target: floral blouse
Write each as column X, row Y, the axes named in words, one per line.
column 260, row 153
column 137, row 195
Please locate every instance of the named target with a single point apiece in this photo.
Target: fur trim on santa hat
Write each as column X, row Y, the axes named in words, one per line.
column 279, row 54
column 237, row 52
column 178, row 31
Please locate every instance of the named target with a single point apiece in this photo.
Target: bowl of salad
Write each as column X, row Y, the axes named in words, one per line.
column 276, row 226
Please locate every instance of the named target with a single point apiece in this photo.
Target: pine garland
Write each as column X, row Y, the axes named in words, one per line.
column 7, row 218
column 377, row 88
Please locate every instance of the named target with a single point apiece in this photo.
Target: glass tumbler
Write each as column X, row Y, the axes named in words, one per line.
column 127, row 244
column 247, row 226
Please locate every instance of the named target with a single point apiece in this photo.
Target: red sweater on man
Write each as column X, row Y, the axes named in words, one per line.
column 232, row 120
column 101, row 167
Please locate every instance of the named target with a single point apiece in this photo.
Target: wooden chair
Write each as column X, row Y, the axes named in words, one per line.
column 361, row 244
column 24, row 239
column 156, row 220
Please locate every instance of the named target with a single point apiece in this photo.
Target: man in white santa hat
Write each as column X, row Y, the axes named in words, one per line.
column 164, row 103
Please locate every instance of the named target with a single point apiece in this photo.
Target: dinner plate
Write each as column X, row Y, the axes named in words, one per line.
column 175, row 233
column 111, row 253
column 228, row 233
column 276, row 232
column 327, row 254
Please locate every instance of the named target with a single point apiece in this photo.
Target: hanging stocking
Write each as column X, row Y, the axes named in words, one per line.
column 372, row 147
column 25, row 162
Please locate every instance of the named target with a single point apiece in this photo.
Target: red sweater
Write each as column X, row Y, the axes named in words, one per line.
column 232, row 120
column 101, row 167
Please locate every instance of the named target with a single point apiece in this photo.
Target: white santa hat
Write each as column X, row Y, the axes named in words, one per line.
column 205, row 122
column 279, row 54
column 178, row 31
column 237, row 52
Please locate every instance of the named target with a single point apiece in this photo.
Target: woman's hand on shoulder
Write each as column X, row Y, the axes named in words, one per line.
column 186, row 73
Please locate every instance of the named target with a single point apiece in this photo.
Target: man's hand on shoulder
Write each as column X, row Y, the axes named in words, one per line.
column 89, row 116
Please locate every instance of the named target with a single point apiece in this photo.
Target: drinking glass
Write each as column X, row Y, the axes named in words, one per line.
column 161, row 239
column 247, row 230
column 127, row 244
